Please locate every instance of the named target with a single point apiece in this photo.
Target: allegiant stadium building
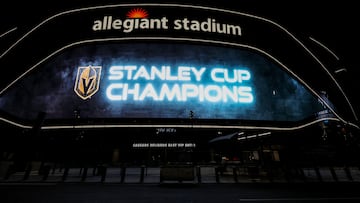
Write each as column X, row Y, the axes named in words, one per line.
column 168, row 83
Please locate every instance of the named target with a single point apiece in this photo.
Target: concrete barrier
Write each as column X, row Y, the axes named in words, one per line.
column 177, row 173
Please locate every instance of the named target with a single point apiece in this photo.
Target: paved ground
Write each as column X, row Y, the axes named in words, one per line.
column 315, row 185
column 173, row 193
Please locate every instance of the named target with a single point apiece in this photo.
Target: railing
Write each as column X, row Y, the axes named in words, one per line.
column 198, row 174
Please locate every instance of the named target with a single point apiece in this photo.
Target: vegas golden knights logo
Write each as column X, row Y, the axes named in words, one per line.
column 87, row 81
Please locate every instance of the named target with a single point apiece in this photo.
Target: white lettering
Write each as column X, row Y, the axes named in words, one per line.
column 223, row 75
column 124, row 87
column 132, row 72
column 130, row 24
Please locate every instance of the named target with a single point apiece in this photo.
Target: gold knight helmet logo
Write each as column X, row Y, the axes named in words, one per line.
column 87, row 81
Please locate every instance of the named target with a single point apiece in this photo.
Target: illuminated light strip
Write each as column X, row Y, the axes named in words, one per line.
column 15, row 124
column 191, row 126
column 7, row 32
column 326, row 48
column 188, row 6
column 263, row 134
column 177, row 39
column 340, row 70
column 254, row 136
column 181, row 126
column 251, row 136
column 353, row 125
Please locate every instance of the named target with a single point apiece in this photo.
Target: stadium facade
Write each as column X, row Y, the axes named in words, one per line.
column 160, row 84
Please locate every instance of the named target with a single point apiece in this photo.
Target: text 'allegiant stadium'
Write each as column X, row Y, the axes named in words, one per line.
column 130, row 24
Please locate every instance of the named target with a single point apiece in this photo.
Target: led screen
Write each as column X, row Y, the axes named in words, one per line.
column 160, row 80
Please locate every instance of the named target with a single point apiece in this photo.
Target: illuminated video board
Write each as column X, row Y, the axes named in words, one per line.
column 157, row 79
